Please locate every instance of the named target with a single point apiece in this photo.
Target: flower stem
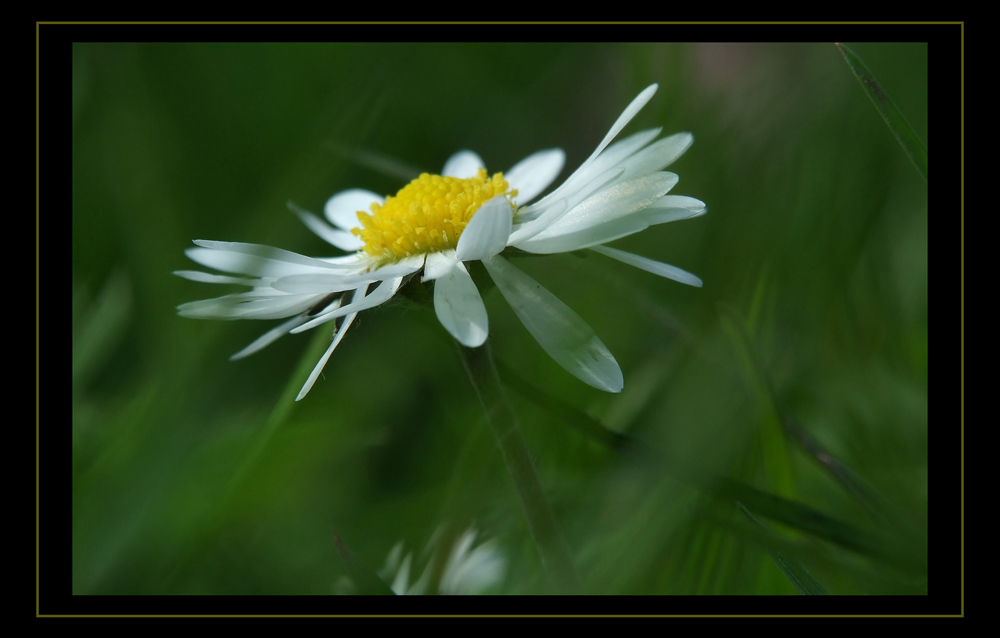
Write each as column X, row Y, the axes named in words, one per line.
column 541, row 521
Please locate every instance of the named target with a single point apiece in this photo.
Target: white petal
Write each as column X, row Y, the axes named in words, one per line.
column 380, row 295
column 534, row 173
column 611, row 203
column 256, row 259
column 463, row 164
column 402, row 267
column 339, row 238
column 566, row 206
column 342, row 209
column 356, row 260
column 438, row 264
column 420, row 586
column 586, row 237
column 531, row 228
column 335, row 305
column 595, row 165
column 248, row 306
column 630, row 111
column 326, row 356
column 488, row 230
column 668, row 208
column 402, row 576
column 460, row 308
column 321, row 284
column 239, row 263
column 451, row 578
column 655, row 267
column 623, row 149
column 559, row 330
column 269, row 337
column 675, row 207
column 324, row 283
column 607, row 160
column 483, row 568
column 197, row 275
column 656, row 156
column 392, row 561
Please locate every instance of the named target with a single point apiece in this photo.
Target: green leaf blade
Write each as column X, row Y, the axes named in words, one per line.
column 363, row 576
column 894, row 119
column 795, row 571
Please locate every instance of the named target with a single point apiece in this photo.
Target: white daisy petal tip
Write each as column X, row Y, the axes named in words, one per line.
column 342, row 209
column 630, row 111
column 696, row 206
column 650, row 265
column 460, row 308
column 463, row 165
column 326, row 357
column 336, row 237
column 268, row 338
column 558, row 330
column 535, row 173
column 686, row 136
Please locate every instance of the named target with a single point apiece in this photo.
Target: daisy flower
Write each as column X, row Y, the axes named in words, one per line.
column 437, row 223
column 469, row 568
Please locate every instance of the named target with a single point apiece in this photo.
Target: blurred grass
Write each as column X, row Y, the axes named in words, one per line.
column 815, row 240
column 895, row 120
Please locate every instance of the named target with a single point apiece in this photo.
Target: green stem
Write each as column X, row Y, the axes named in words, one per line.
column 541, row 521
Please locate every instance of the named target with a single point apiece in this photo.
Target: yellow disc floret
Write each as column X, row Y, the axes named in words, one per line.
column 427, row 215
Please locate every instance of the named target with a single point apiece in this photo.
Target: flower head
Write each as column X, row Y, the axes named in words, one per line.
column 436, row 223
column 468, row 568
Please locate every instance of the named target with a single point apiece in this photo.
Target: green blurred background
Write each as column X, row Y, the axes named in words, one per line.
column 194, row 474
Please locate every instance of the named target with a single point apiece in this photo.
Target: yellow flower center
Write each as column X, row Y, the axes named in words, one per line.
column 427, row 215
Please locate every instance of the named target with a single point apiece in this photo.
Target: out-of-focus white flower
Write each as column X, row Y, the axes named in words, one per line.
column 436, row 223
column 469, row 570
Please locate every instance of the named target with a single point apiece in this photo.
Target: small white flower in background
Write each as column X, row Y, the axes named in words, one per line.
column 436, row 223
column 469, row 570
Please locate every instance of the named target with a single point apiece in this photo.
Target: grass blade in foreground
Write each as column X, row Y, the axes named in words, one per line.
column 914, row 148
column 364, row 577
column 881, row 508
column 774, row 507
column 799, row 576
column 278, row 414
column 816, row 523
column 908, row 552
column 541, row 521
column 569, row 414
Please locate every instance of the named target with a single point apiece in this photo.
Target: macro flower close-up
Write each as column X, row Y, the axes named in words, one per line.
column 436, row 223
column 639, row 325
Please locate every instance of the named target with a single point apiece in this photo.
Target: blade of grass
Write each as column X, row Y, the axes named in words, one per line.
column 772, row 440
column 542, row 523
column 364, row 577
column 904, row 133
column 102, row 327
column 882, row 579
column 804, row 518
column 565, row 412
column 774, row 507
column 799, row 576
column 764, row 504
column 882, row 509
column 280, row 412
